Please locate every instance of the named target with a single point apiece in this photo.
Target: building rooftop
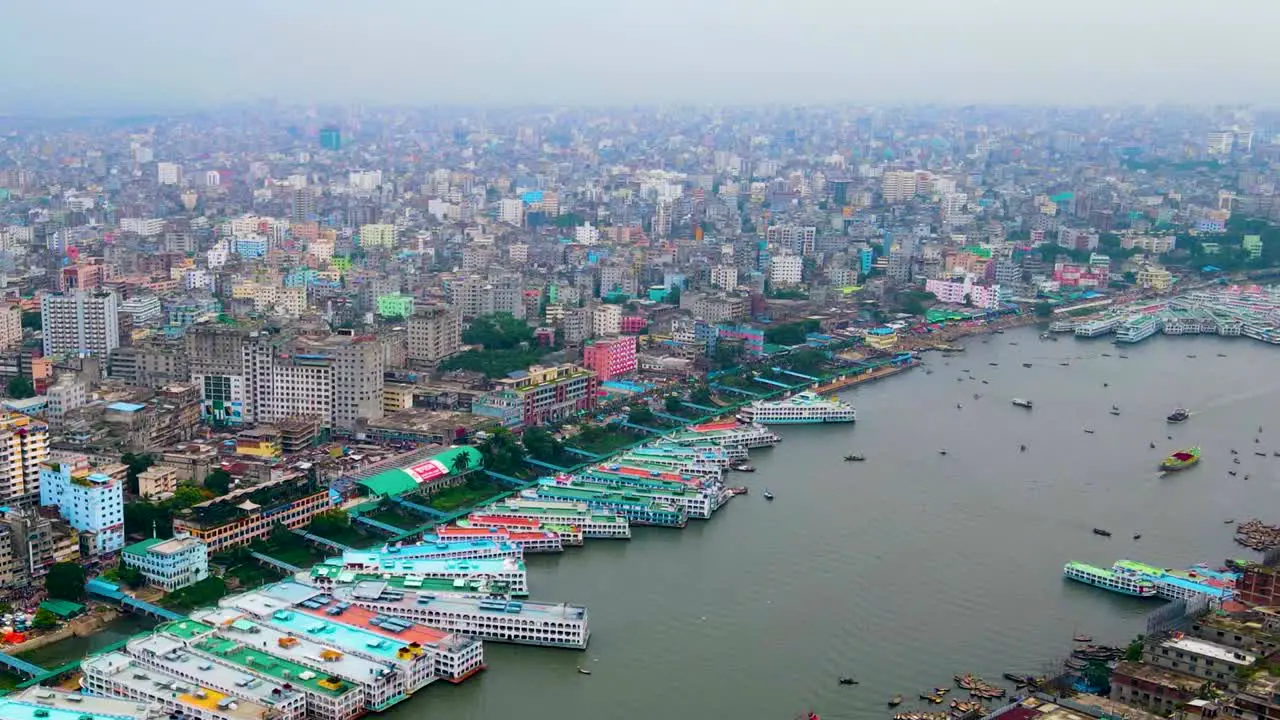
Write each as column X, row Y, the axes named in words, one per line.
column 268, row 663
column 120, row 668
column 62, row 705
column 171, row 652
column 297, row 648
column 1211, row 650
column 422, row 566
column 453, row 602
column 478, row 586
column 1160, row 676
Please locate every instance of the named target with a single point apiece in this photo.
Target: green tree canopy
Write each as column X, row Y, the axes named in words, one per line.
column 330, row 521
column 1044, row 310
column 31, row 320
column 131, row 576
column 138, row 464
column 502, row 453
column 672, row 404
column 218, row 482
column 20, row 387
column 499, row 331
column 65, row 581
column 44, row 620
column 542, row 444
column 641, row 416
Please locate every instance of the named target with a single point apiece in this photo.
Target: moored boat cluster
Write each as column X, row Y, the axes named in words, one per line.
column 977, row 687
column 1257, row 535
column 1082, row 656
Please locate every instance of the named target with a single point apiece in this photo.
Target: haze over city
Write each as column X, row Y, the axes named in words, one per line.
column 144, row 55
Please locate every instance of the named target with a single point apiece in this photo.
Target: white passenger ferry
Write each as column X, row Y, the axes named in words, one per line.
column 1117, row 582
column 1138, row 329
column 801, row 408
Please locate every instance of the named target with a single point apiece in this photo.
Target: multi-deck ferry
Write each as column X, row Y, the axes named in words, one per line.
column 1183, row 584
column 590, row 522
column 1137, row 329
column 697, row 502
column 569, row 535
column 634, row 507
column 805, row 407
column 726, row 433
column 1094, row 328
column 1123, row 583
column 529, row 541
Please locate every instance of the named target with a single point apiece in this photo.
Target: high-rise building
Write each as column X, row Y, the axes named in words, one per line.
column 91, row 502
column 168, row 173
column 511, row 210
column 302, row 207
column 81, row 322
column 542, row 395
column 331, row 137
column 786, row 269
column 606, row 320
column 898, row 185
column 27, row 444
column 610, row 357
column 724, row 277
column 10, row 325
column 1219, row 142
column 378, row 235
column 358, row 364
column 434, row 334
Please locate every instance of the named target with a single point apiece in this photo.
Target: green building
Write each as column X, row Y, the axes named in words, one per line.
column 330, row 138
column 1252, row 244
column 395, row 305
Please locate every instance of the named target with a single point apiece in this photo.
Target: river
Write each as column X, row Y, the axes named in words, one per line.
column 912, row 566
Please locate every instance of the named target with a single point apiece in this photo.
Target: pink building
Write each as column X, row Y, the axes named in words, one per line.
column 610, row 357
column 634, row 324
column 954, row 292
column 1076, row 275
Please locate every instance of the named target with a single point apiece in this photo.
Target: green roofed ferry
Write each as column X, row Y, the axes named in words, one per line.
column 1181, row 459
column 1123, row 583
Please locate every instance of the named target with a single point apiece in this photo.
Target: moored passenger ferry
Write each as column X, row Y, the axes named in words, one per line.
column 725, row 433
column 590, row 522
column 801, row 408
column 1118, row 582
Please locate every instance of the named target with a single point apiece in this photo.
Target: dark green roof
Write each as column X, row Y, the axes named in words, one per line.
column 62, row 608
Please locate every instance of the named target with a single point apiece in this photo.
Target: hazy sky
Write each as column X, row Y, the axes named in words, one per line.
column 153, row 54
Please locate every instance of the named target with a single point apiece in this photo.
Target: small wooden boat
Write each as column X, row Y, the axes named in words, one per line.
column 1083, row 638
column 1022, row 448
column 1103, row 533
column 854, row 458
column 1137, row 537
column 768, row 495
column 1106, row 354
column 994, row 364
column 1193, row 357
column 1228, row 522
column 1064, row 364
column 1260, row 454
column 583, row 670
column 942, row 452
column 1123, row 357
column 1088, row 431
column 1222, row 354
column 743, row 467
column 895, row 701
column 1026, row 364
column 848, row 681
column 1115, row 412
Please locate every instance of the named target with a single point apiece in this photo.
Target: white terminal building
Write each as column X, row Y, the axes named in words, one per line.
column 91, row 502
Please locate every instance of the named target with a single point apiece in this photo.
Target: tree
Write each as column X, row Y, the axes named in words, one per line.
column 218, row 482
column 641, row 416
column 330, row 521
column 281, row 535
column 1044, row 310
column 461, row 463
column 130, row 576
column 44, row 620
column 138, row 464
column 673, row 296
column 700, row 395
column 542, row 444
column 1098, row 677
column 20, row 387
column 65, row 581
column 31, row 320
column 672, row 404
column 968, row 300
column 499, row 331
column 503, row 453
column 1130, row 277
column 1133, row 653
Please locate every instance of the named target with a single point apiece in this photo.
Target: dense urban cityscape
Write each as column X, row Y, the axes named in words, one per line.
column 298, row 388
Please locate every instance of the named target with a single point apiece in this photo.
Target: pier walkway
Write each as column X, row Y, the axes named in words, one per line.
column 322, row 541
column 506, row 478
column 110, row 591
column 642, row 428
column 703, row 408
column 376, row 524
column 20, row 666
column 415, row 507
column 276, row 563
column 808, row 378
column 740, row 391
column 547, row 465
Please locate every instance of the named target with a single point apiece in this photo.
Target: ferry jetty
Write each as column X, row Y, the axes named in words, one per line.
column 801, row 408
column 1250, row 311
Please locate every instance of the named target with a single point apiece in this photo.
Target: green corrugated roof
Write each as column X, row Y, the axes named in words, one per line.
column 140, row 548
column 62, row 608
column 389, row 482
column 398, row 482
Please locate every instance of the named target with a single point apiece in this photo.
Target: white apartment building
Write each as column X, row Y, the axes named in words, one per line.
column 65, row 395
column 606, row 320
column 364, row 180
column 898, row 186
column 518, row 253
column 786, row 269
column 142, row 308
column 724, row 277
column 80, row 322
column 10, row 325
column 91, row 502
column 169, row 564
column 585, row 234
column 434, row 334
column 378, row 235
column 511, row 211
column 146, row 227
column 168, row 173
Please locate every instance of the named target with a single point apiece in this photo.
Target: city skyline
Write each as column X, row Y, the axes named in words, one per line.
column 141, row 55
